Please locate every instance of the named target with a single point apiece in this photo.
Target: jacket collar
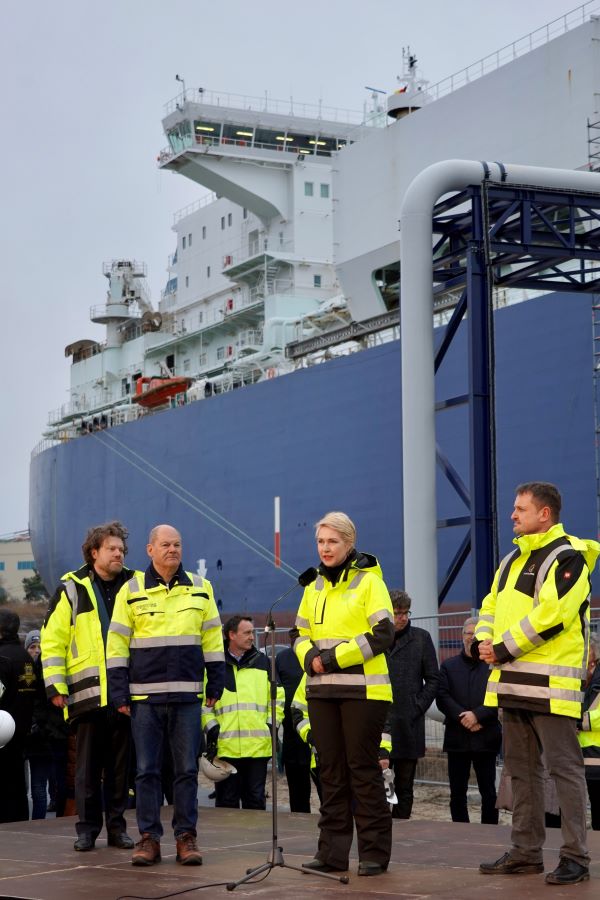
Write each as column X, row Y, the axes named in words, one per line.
column 529, row 542
column 247, row 657
column 152, row 579
column 87, row 571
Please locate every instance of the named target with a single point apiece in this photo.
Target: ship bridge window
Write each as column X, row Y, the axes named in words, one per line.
column 309, row 188
column 264, row 137
column 180, row 136
column 207, row 132
column 237, row 134
column 324, row 192
column 183, row 243
column 204, row 232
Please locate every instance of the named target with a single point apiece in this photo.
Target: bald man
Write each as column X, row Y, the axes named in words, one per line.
column 165, row 632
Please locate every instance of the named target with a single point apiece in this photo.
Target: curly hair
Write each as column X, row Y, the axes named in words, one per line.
column 98, row 534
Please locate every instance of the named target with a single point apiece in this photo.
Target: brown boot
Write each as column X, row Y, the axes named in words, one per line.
column 147, row 851
column 187, row 850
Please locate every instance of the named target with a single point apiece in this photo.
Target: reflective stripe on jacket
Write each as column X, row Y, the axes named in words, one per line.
column 349, row 625
column 301, row 720
column 243, row 713
column 589, row 736
column 73, row 656
column 537, row 615
column 160, row 640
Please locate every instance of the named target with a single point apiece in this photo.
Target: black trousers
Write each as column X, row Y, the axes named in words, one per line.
column 247, row 787
column 459, row 769
column 404, row 779
column 14, row 806
column 347, row 735
column 299, row 786
column 101, row 771
column 593, row 789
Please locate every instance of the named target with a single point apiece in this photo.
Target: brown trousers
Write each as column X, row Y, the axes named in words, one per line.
column 526, row 736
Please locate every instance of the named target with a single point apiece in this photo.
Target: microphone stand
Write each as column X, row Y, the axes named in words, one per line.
column 276, row 858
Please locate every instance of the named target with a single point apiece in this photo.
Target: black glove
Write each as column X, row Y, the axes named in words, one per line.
column 212, row 742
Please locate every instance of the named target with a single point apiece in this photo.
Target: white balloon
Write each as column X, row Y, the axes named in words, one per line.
column 7, row 727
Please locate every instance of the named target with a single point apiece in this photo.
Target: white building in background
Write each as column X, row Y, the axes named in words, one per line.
column 16, row 563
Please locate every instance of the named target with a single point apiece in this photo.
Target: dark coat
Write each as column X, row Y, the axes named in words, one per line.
column 462, row 687
column 289, row 673
column 18, row 674
column 414, row 675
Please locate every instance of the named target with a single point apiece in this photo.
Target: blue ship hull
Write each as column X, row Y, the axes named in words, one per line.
column 326, row 437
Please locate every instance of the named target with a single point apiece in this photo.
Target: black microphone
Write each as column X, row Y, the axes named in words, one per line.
column 304, row 579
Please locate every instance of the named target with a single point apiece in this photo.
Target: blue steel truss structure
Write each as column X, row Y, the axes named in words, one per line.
column 497, row 235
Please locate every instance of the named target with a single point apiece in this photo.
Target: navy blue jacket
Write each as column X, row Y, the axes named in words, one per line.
column 462, row 687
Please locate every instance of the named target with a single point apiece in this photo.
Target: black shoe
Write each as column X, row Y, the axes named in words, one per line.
column 371, row 868
column 317, row 865
column 120, row 839
column 506, row 865
column 568, row 872
column 84, row 842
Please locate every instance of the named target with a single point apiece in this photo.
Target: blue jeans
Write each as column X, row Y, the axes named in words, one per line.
column 40, row 768
column 154, row 725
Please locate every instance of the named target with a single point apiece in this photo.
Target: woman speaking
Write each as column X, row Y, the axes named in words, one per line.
column 343, row 627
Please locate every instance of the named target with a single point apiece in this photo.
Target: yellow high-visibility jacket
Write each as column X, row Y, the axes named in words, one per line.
column 161, row 640
column 349, row 625
column 243, row 713
column 537, row 616
column 73, row 656
column 589, row 736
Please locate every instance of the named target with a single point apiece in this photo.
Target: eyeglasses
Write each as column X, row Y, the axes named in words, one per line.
column 402, row 612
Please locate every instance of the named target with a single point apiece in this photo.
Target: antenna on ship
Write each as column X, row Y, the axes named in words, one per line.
column 373, row 114
column 182, row 80
column 411, row 93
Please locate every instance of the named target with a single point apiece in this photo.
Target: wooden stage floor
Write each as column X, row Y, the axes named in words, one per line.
column 429, row 859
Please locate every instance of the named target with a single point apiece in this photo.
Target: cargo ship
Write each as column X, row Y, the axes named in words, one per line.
column 263, row 389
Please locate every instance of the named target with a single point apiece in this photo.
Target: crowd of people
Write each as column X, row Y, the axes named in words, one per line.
column 136, row 665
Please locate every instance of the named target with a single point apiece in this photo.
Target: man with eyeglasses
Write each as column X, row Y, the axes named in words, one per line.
column 414, row 675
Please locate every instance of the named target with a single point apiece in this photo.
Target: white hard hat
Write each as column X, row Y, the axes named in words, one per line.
column 7, row 727
column 217, row 770
column 434, row 713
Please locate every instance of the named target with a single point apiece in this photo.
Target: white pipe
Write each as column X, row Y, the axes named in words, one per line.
column 416, row 322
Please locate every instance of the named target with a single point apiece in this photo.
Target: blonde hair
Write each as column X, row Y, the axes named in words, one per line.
column 341, row 523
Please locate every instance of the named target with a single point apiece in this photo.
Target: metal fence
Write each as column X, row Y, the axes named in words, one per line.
column 432, row 769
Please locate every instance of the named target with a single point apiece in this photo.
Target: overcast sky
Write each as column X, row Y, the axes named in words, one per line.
column 83, row 86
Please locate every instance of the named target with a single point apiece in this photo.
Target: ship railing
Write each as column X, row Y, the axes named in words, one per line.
column 88, row 352
column 266, row 104
column 192, row 208
column 510, row 52
column 139, row 269
column 184, row 143
column 257, row 248
column 104, row 310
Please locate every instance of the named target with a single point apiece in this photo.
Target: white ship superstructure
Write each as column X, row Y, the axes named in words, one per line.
column 253, row 267
column 299, row 235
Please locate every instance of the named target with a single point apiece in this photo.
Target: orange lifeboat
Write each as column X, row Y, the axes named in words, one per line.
column 151, row 392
